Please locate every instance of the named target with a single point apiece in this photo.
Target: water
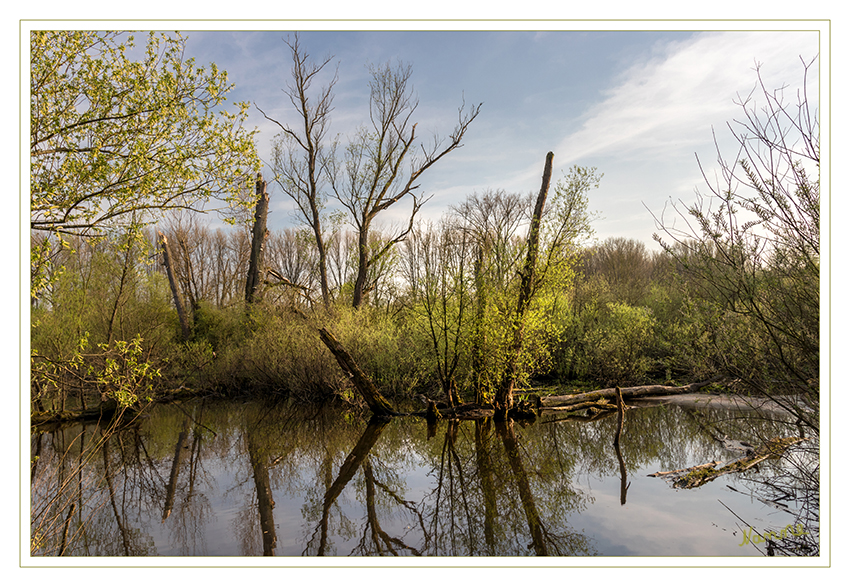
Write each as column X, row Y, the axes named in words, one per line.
column 222, row 478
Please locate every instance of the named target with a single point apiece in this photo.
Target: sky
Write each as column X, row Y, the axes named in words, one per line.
column 638, row 105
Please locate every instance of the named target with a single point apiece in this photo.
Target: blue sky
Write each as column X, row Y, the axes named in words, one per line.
column 637, row 105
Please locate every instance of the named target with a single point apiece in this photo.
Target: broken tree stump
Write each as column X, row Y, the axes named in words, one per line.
column 504, row 399
column 258, row 237
column 175, row 290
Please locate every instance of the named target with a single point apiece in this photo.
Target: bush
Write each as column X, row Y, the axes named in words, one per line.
column 621, row 344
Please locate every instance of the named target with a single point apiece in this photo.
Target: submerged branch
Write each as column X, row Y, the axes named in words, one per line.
column 699, row 475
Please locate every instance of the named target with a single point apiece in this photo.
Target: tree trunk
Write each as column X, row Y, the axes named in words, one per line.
column 477, row 340
column 169, row 271
column 505, row 392
column 376, row 402
column 362, row 265
column 255, row 266
column 323, row 263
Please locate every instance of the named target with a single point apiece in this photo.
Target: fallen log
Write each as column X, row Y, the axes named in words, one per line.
column 610, row 394
column 105, row 410
column 601, row 404
column 370, row 394
column 471, row 411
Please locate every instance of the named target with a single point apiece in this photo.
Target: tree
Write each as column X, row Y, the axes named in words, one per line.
column 299, row 157
column 528, row 282
column 490, row 222
column 492, row 219
column 437, row 274
column 371, row 177
column 625, row 264
column 112, row 138
column 752, row 248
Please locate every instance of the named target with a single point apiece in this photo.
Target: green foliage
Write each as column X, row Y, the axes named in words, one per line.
column 219, row 328
column 573, row 356
column 620, row 343
column 281, row 353
column 389, row 349
column 738, row 296
column 123, row 374
column 112, row 137
column 119, row 371
column 102, row 313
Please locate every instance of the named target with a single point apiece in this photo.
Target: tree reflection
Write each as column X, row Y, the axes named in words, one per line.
column 254, row 478
column 375, row 539
column 265, row 502
column 487, row 484
column 535, row 528
column 352, row 462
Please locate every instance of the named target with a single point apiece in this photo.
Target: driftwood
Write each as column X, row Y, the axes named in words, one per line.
column 364, row 386
column 679, row 472
column 601, row 397
column 701, row 474
column 600, row 405
column 470, row 411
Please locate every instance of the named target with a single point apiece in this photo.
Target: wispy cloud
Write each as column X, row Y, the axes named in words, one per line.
column 676, row 96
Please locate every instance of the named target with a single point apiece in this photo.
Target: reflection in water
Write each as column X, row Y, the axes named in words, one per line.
column 506, row 432
column 254, row 479
column 346, row 473
column 624, row 486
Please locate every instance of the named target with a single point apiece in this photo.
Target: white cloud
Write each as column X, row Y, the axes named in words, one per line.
column 676, row 96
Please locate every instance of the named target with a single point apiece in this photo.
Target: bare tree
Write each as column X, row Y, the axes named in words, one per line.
column 625, row 264
column 299, row 158
column 372, row 177
column 437, row 274
column 492, row 220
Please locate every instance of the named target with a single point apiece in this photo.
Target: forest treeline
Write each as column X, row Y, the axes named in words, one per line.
column 435, row 321
column 426, row 309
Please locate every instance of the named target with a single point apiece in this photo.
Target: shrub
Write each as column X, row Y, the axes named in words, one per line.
column 621, row 343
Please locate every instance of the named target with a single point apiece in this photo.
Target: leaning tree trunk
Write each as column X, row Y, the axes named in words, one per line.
column 255, row 265
column 175, row 292
column 505, row 392
column 376, row 402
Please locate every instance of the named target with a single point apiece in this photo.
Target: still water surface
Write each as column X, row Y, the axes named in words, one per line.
column 223, row 478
